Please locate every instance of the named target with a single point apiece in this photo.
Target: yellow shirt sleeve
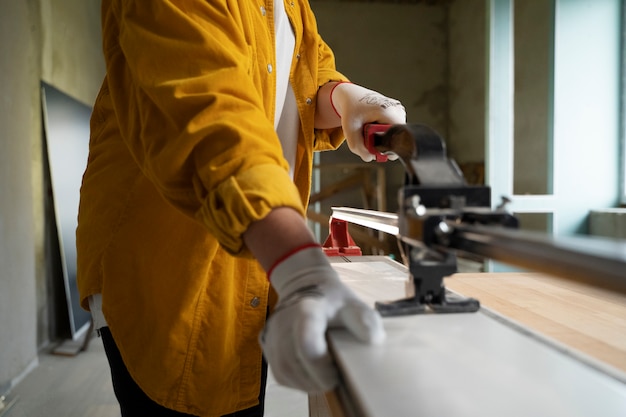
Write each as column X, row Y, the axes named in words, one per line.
column 191, row 106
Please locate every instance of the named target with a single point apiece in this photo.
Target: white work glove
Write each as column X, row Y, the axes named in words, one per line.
column 358, row 106
column 311, row 298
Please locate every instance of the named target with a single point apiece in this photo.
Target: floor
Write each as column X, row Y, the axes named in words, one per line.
column 80, row 386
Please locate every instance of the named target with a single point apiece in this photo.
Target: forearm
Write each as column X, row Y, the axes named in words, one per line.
column 325, row 115
column 277, row 234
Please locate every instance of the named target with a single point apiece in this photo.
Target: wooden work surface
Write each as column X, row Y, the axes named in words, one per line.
column 585, row 318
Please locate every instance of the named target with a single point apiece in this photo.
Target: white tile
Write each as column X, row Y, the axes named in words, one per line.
column 281, row 401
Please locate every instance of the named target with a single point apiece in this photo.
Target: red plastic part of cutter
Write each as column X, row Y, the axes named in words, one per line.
column 369, row 132
column 339, row 242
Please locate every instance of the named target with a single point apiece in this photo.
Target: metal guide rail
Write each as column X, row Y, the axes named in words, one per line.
column 597, row 261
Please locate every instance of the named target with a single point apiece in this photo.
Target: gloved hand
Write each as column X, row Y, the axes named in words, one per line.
column 311, row 298
column 358, row 106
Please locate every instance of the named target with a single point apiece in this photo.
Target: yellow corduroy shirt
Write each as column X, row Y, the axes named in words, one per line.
column 183, row 157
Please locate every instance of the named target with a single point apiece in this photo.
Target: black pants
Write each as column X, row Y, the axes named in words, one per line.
column 135, row 403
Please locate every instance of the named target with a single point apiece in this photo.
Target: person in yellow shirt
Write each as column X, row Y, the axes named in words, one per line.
column 194, row 256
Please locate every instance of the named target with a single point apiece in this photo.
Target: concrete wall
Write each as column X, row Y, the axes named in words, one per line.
column 608, row 223
column 467, row 78
column 72, row 47
column 19, row 126
column 57, row 41
column 533, row 23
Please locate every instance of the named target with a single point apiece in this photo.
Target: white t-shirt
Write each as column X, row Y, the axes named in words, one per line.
column 286, row 120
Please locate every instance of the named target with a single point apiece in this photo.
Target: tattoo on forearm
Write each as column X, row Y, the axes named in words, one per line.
column 379, row 100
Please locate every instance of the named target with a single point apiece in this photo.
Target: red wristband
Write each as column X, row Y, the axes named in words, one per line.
column 331, row 96
column 288, row 254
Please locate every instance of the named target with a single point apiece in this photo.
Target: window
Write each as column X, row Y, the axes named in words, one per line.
column 578, row 110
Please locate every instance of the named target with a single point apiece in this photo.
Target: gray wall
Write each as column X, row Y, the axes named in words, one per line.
column 533, row 23
column 56, row 41
column 467, row 51
column 19, row 123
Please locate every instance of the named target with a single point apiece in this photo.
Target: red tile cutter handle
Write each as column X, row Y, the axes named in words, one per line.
column 370, row 132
